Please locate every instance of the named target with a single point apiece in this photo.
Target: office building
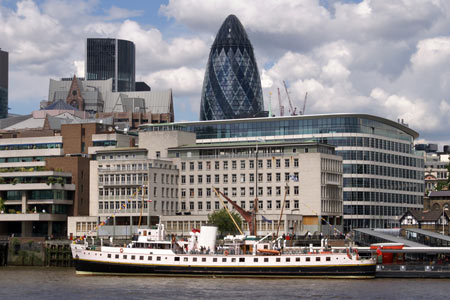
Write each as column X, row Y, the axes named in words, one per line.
column 232, row 86
column 382, row 175
column 3, row 84
column 111, row 58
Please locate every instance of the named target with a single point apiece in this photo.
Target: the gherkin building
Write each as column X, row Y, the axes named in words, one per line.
column 232, row 87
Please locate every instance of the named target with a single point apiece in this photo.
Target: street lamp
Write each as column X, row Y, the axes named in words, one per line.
column 444, row 208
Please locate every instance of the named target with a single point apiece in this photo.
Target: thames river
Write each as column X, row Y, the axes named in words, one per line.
column 63, row 284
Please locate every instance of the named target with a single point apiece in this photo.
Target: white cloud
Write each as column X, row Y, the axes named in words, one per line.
column 382, row 57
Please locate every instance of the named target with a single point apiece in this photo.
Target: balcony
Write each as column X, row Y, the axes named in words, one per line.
column 36, row 186
column 32, row 217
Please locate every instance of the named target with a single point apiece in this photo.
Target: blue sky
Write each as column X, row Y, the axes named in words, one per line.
column 388, row 58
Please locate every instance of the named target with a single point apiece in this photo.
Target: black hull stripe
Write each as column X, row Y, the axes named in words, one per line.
column 92, row 267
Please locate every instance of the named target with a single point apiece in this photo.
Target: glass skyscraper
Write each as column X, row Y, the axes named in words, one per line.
column 232, row 86
column 3, row 84
column 111, row 58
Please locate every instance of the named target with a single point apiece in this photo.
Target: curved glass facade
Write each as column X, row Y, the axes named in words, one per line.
column 382, row 176
column 111, row 58
column 231, row 87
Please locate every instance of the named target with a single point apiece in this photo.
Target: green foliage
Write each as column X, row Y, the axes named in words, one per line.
column 222, row 220
column 2, row 204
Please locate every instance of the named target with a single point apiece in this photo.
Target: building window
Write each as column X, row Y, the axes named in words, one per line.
column 191, row 179
column 269, row 177
column 183, row 166
column 252, row 164
column 225, row 165
column 200, row 205
column 191, row 205
column 158, row 154
column 278, row 163
column 243, row 204
column 269, row 164
column 242, row 164
column 225, row 178
column 295, row 162
column 200, row 192
column 200, row 179
column 278, row 204
column 233, row 164
column 296, row 190
column 278, row 177
column 269, row 204
column 242, row 191
column 208, row 205
column 216, row 165
column 242, row 177
column 208, row 178
column 286, row 163
column 269, row 191
column 191, row 166
column 216, row 205
column 216, row 178
column 233, row 178
column 200, row 165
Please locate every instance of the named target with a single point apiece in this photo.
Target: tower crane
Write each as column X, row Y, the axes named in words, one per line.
column 279, row 103
column 293, row 110
column 304, row 104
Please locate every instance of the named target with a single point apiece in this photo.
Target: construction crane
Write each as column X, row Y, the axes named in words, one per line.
column 279, row 103
column 293, row 110
column 304, row 104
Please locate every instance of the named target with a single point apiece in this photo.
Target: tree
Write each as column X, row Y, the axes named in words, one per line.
column 222, row 220
column 444, row 185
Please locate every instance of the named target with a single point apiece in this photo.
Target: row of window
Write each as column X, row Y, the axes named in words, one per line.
column 223, row 259
column 383, row 197
column 381, row 157
column 278, row 190
column 31, row 146
column 382, row 171
column 129, row 191
column 217, row 205
column 374, row 210
column 133, row 205
column 242, row 178
column 376, row 183
column 242, row 163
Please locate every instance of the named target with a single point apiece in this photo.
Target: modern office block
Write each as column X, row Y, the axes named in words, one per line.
column 111, row 58
column 382, row 175
column 232, row 86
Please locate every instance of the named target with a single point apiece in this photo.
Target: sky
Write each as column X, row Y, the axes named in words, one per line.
column 381, row 57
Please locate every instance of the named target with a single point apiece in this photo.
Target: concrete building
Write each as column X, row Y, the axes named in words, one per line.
column 310, row 175
column 3, row 84
column 382, row 174
column 44, row 178
column 130, row 187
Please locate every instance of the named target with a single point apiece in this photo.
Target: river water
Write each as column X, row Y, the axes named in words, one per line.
column 62, row 283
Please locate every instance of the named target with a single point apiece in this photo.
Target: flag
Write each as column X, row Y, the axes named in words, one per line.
column 265, row 219
column 379, row 251
column 293, row 178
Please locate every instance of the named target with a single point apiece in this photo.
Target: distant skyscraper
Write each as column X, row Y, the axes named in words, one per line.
column 232, row 87
column 111, row 58
column 3, row 84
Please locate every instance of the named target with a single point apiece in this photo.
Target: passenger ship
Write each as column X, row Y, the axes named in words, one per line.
column 152, row 254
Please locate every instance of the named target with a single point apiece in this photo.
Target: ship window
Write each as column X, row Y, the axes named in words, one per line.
column 241, row 259
column 255, row 259
column 233, row 259
column 133, row 257
column 149, row 258
column 204, row 259
column 215, row 259
column 288, row 259
column 308, row 259
column 317, row 258
column 109, row 255
column 297, row 259
column 278, row 259
column 124, row 257
column 194, row 259
column 158, row 258
column 224, row 259
column 185, row 259
column 328, row 258
column 177, row 259
column 266, row 259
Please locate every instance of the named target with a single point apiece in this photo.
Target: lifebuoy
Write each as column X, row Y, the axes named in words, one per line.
column 121, row 250
column 226, row 253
